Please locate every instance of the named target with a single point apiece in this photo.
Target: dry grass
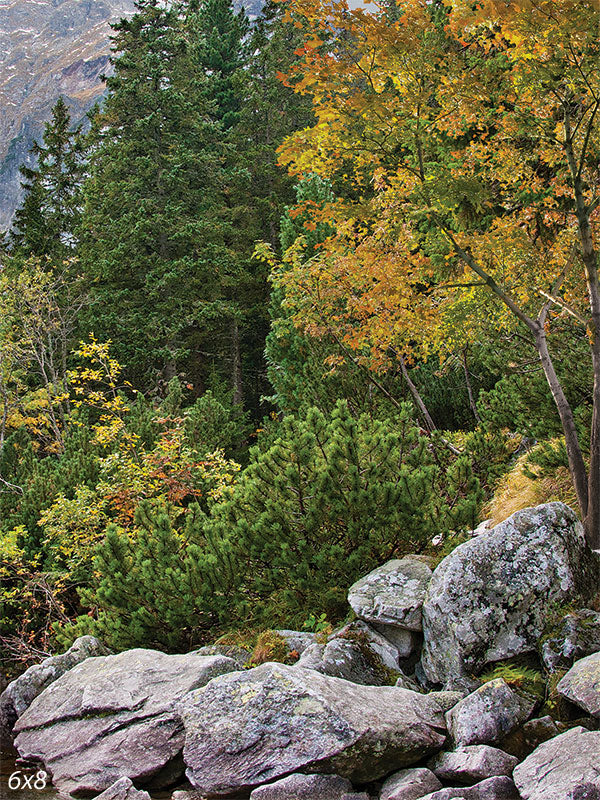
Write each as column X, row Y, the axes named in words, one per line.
column 516, row 491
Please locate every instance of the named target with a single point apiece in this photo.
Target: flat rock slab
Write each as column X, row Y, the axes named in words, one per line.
column 249, row 728
column 112, row 717
column 123, row 789
column 472, row 764
column 488, row 599
column 488, row 714
column 564, row 768
column 489, row 789
column 392, row 594
column 581, row 684
column 18, row 695
column 409, row 784
column 304, row 787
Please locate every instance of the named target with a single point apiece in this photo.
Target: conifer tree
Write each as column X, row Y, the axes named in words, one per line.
column 46, row 224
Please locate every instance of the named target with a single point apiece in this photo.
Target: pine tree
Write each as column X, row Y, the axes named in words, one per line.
column 46, row 224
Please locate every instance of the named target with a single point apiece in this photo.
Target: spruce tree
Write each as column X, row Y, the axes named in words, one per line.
column 47, row 222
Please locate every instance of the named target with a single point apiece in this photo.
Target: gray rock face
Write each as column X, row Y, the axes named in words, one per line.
column 488, row 714
column 409, row 784
column 19, row 694
column 246, row 729
column 488, row 599
column 523, row 741
column 112, row 717
column 472, row 764
column 564, row 768
column 489, row 789
column 297, row 641
column 123, row 789
column 392, row 595
column 304, row 787
column 356, row 653
column 578, row 636
column 581, row 684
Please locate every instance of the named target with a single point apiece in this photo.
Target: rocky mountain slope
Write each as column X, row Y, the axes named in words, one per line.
column 49, row 48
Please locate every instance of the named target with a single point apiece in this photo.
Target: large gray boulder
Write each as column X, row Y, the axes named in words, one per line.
column 248, row 728
column 581, row 684
column 19, row 694
column 488, row 714
column 392, row 595
column 577, row 636
column 356, row 653
column 490, row 789
column 112, row 717
column 564, row 768
column 304, row 787
column 488, row 599
column 472, row 764
column 123, row 789
column 409, row 784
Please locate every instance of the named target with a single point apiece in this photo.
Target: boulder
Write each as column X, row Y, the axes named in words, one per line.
column 581, row 684
column 488, row 599
column 248, row 728
column 577, row 636
column 564, row 768
column 523, row 741
column 392, row 595
column 297, row 641
column 19, row 694
column 356, row 653
column 304, row 787
column 123, row 789
column 112, row 717
column 488, row 714
column 409, row 784
column 472, row 764
column 490, row 789
column 240, row 655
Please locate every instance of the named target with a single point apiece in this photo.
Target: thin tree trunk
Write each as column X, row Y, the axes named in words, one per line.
column 236, row 364
column 429, row 423
column 469, row 387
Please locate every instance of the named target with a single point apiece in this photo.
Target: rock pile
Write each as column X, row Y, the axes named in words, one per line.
column 392, row 706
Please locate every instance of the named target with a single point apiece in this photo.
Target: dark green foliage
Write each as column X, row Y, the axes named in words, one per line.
column 330, row 499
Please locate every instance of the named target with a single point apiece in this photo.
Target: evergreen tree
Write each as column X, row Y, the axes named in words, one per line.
column 46, row 224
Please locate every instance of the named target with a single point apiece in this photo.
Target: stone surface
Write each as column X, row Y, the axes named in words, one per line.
column 564, row 768
column 447, row 700
column 112, row 717
column 523, row 741
column 490, row 789
column 123, row 789
column 393, row 594
column 304, row 787
column 488, row 599
column 488, row 714
column 297, row 641
column 246, row 729
column 472, row 764
column 577, row 636
column 409, row 784
column 240, row 655
column 356, row 653
column 19, row 694
column 581, row 684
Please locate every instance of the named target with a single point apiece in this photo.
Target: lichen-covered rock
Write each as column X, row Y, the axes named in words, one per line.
column 356, row 653
column 392, row 595
column 297, row 641
column 123, row 789
column 488, row 714
column 523, row 741
column 304, row 787
column 472, row 764
column 488, row 599
column 248, row 728
column 409, row 784
column 564, row 768
column 19, row 694
column 490, row 789
column 577, row 636
column 114, row 716
column 240, row 655
column 581, row 684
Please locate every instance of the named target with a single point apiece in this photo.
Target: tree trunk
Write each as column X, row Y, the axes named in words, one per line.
column 469, row 387
column 236, row 364
column 429, row 423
